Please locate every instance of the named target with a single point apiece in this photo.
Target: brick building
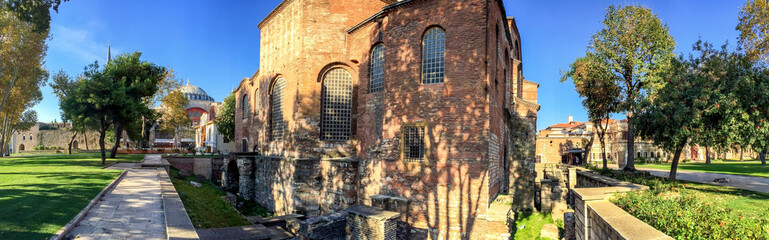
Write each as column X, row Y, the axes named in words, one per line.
column 425, row 99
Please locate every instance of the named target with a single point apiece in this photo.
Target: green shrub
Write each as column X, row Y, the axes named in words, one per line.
column 681, row 214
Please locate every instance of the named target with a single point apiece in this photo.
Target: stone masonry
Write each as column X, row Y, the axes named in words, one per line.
column 478, row 122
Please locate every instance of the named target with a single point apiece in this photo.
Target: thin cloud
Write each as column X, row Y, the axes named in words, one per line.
column 78, row 43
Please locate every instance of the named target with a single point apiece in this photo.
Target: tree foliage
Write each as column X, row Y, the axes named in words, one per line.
column 35, row 12
column 112, row 95
column 632, row 49
column 173, row 112
column 715, row 98
column 594, row 83
column 754, row 30
column 225, row 119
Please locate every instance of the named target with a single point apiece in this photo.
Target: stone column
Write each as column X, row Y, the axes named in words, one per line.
column 246, row 181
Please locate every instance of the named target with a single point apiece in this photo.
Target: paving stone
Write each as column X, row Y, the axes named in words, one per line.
column 132, row 209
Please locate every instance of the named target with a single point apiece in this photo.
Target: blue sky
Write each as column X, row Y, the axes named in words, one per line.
column 216, row 43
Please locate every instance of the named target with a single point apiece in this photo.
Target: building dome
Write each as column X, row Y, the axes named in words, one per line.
column 193, row 93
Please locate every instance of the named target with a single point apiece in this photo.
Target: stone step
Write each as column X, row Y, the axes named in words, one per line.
column 250, row 232
column 280, row 233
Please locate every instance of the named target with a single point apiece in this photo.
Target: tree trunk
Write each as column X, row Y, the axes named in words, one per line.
column 603, row 156
column 118, row 135
column 630, row 161
column 102, row 132
column 707, row 155
column 674, row 166
column 741, row 154
column 85, row 136
column 762, row 156
column 3, row 142
column 72, row 139
column 8, row 91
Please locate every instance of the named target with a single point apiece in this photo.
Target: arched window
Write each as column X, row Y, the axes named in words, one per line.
column 276, row 99
column 337, row 105
column 433, row 55
column 244, row 145
column 24, row 137
column 377, row 68
column 244, row 105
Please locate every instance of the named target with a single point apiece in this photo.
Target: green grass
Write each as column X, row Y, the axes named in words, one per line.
column 748, row 167
column 40, row 194
column 532, row 223
column 205, row 205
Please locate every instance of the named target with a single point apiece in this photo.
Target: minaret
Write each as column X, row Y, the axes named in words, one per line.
column 109, row 52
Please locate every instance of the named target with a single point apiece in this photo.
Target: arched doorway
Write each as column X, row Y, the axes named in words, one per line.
column 21, row 147
column 74, row 145
column 233, row 177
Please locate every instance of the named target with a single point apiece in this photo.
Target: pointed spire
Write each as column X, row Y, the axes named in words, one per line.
column 188, row 80
column 109, row 52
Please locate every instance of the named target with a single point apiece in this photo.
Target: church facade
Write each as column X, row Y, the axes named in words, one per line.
column 427, row 97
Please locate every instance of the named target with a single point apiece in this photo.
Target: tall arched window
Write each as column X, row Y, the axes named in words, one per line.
column 276, row 99
column 377, row 68
column 337, row 105
column 433, row 55
column 244, row 105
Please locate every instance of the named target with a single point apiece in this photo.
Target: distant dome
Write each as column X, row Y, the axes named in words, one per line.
column 193, row 92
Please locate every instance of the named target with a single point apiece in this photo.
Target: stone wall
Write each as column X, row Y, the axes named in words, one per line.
column 61, row 137
column 597, row 218
column 309, row 187
column 207, row 167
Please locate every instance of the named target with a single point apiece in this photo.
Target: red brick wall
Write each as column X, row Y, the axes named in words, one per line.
column 467, row 130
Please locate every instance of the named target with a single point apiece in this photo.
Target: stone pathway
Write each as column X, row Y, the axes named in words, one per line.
column 121, row 166
column 756, row 184
column 133, row 209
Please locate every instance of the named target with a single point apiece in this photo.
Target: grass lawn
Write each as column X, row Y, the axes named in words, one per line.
column 205, row 205
column 747, row 167
column 40, row 194
column 531, row 223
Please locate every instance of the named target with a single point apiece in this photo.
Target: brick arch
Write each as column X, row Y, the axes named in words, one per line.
column 338, row 64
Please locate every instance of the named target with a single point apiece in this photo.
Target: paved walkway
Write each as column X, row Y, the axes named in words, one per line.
column 133, row 209
column 756, row 184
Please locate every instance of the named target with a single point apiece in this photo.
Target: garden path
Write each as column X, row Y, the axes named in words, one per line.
column 133, row 209
column 756, row 184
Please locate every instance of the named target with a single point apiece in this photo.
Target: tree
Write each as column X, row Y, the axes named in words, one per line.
column 139, row 80
column 754, row 32
column 594, row 82
column 635, row 47
column 166, row 85
column 173, row 113
column 62, row 86
column 672, row 115
column 111, row 95
column 225, row 118
column 34, row 12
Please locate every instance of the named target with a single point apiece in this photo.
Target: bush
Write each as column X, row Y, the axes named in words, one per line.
column 680, row 213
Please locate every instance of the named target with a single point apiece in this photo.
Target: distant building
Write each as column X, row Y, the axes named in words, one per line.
column 199, row 104
column 51, row 135
column 207, row 137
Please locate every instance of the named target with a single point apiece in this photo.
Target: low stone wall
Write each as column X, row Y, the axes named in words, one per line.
column 207, row 167
column 588, row 179
column 597, row 218
column 307, row 186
